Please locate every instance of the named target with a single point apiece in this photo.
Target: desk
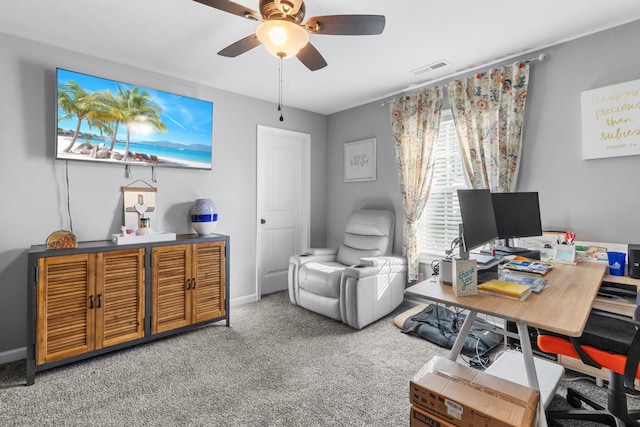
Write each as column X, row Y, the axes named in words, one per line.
column 563, row 307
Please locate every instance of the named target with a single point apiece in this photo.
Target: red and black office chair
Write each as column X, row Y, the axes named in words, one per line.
column 609, row 341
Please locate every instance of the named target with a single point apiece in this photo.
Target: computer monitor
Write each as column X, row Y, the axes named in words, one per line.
column 517, row 215
column 478, row 220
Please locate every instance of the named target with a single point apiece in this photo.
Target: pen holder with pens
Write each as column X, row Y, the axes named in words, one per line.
column 565, row 254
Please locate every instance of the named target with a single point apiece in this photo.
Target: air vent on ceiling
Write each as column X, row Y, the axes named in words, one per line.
column 431, row 67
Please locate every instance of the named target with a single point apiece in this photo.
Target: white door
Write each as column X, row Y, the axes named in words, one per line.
column 283, row 204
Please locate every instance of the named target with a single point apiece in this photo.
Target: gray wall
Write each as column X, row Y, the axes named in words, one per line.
column 33, row 188
column 598, row 199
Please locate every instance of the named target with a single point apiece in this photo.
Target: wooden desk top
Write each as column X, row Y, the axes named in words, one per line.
column 563, row 307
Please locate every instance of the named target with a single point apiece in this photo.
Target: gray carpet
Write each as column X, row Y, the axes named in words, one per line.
column 277, row 365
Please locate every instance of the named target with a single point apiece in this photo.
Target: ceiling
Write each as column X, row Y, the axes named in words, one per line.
column 180, row 38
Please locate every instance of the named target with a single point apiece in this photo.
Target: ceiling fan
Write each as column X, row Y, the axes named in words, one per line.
column 283, row 33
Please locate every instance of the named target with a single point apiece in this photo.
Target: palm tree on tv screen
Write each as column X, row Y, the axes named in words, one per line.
column 136, row 110
column 112, row 107
column 73, row 99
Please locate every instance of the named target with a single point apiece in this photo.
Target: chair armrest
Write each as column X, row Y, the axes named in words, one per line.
column 297, row 261
column 373, row 266
column 315, row 255
column 320, row 251
column 371, row 289
column 616, row 316
column 379, row 261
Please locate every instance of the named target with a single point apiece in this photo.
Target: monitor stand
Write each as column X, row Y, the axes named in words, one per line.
column 488, row 273
column 485, row 259
column 510, row 250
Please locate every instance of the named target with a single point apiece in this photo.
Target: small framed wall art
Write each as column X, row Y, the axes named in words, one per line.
column 360, row 160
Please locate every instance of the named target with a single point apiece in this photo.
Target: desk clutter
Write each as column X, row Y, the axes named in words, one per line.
column 447, row 393
column 623, row 259
column 463, row 277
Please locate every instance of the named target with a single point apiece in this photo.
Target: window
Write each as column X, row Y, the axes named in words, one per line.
column 438, row 225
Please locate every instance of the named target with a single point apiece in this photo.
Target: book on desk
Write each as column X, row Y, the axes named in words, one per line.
column 505, row 289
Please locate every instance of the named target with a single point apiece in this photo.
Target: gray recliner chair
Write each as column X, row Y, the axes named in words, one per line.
column 358, row 283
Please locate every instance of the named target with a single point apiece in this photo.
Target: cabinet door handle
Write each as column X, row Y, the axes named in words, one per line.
column 188, row 284
column 91, row 301
column 99, row 300
column 193, row 283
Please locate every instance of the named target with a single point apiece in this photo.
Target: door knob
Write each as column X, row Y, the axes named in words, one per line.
column 263, row 221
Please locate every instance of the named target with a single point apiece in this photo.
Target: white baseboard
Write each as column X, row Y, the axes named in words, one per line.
column 13, row 355
column 244, row 300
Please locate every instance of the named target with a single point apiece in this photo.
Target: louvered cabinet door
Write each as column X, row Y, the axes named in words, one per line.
column 119, row 297
column 208, row 291
column 170, row 286
column 65, row 316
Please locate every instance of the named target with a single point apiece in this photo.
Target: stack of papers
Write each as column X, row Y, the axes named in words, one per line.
column 536, row 284
column 520, row 263
column 505, row 289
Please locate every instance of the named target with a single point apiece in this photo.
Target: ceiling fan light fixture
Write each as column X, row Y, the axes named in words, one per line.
column 281, row 38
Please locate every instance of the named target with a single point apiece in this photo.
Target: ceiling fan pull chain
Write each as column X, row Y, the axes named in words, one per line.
column 280, row 91
column 280, row 85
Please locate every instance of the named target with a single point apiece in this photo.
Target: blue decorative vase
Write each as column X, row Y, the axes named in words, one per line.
column 204, row 216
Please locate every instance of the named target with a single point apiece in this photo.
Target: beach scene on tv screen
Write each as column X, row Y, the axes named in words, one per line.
column 107, row 121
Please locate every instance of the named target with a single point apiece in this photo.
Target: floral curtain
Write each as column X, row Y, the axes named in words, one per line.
column 415, row 119
column 488, row 110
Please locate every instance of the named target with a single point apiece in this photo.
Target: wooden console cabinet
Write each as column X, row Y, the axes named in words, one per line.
column 101, row 297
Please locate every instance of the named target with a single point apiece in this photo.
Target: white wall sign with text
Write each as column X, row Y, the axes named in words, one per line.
column 611, row 121
column 360, row 160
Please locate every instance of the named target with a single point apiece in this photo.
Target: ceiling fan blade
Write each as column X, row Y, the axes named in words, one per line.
column 311, row 58
column 231, row 7
column 346, row 25
column 240, row 47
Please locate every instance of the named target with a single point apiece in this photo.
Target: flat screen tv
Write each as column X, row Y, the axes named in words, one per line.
column 517, row 215
column 478, row 221
column 106, row 121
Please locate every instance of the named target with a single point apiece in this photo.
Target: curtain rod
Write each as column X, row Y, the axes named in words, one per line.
column 386, row 99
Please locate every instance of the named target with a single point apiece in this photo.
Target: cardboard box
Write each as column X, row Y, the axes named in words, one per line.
column 468, row 397
column 418, row 418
